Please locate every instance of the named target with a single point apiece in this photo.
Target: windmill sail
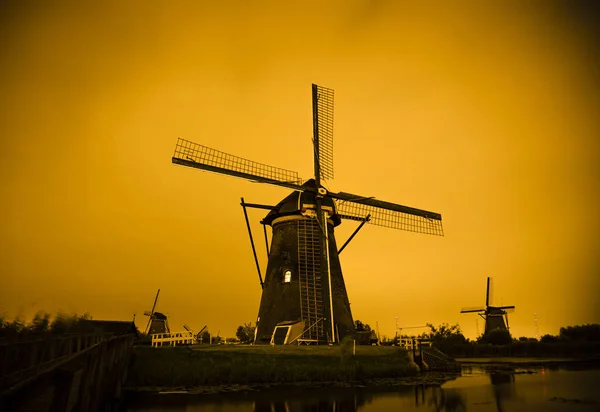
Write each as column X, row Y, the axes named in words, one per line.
column 388, row 214
column 323, row 131
column 151, row 312
column 202, row 157
column 472, row 309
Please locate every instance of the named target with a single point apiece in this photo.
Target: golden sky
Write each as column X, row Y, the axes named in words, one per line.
column 487, row 114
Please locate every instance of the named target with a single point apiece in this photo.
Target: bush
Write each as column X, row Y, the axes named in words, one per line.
column 497, row 337
column 346, row 348
column 581, row 333
column 549, row 338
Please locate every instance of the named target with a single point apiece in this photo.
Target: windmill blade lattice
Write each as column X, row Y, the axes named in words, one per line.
column 323, row 130
column 202, row 157
column 387, row 214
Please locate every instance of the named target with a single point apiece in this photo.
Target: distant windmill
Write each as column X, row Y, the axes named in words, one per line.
column 304, row 295
column 157, row 322
column 198, row 335
column 494, row 316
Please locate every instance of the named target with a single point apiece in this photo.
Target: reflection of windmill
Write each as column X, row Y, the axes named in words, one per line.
column 157, row 322
column 503, row 386
column 304, row 291
column 447, row 400
column 494, row 316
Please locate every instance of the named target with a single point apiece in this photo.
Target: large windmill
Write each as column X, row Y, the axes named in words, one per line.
column 494, row 316
column 303, row 294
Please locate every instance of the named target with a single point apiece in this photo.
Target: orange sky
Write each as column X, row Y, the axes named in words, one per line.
column 485, row 114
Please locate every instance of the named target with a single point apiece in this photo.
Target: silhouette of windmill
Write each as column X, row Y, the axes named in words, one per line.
column 304, row 296
column 157, row 322
column 494, row 316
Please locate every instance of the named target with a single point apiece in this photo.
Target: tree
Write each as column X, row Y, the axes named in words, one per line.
column 497, row 337
column 205, row 337
column 445, row 335
column 549, row 338
column 64, row 323
column 40, row 323
column 12, row 328
column 245, row 333
column 361, row 327
column 526, row 339
column 581, row 333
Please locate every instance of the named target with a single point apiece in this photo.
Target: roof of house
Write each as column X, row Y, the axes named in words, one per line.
column 115, row 327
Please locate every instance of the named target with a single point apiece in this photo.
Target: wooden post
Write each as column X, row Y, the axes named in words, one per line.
column 32, row 358
column 88, row 380
column 52, row 350
column 99, row 384
column 63, row 380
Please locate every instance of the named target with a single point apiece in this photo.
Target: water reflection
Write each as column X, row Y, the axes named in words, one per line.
column 418, row 397
column 325, row 399
column 447, row 400
column 502, row 389
column 333, row 402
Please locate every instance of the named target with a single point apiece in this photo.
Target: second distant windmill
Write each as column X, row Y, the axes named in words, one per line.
column 496, row 317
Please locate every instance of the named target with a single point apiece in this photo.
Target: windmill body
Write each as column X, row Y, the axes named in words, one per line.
column 496, row 317
column 304, row 296
column 158, row 324
column 293, row 290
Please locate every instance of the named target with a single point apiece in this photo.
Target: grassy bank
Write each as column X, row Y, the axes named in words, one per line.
column 525, row 349
column 240, row 364
column 525, row 361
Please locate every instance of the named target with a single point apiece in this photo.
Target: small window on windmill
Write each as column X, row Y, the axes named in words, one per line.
column 287, row 276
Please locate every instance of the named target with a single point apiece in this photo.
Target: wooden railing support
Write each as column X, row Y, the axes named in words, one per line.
column 62, row 390
column 93, row 375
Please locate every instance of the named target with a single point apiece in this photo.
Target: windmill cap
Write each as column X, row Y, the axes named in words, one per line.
column 292, row 204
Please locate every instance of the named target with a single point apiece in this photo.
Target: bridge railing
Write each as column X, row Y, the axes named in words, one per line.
column 22, row 357
column 87, row 380
column 172, row 338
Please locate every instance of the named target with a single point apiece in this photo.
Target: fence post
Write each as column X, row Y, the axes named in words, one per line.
column 63, row 380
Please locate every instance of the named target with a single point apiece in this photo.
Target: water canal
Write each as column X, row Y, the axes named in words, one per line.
column 478, row 388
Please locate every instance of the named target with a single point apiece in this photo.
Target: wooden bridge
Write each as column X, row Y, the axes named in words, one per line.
column 172, row 339
column 81, row 372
